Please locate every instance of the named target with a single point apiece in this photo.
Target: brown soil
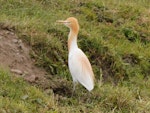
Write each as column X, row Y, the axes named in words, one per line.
column 15, row 57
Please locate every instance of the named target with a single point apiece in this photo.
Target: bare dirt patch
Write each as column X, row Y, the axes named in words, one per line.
column 14, row 55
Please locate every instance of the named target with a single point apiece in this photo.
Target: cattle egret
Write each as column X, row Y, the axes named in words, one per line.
column 79, row 65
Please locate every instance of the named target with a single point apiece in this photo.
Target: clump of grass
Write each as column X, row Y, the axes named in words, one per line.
column 131, row 34
column 18, row 96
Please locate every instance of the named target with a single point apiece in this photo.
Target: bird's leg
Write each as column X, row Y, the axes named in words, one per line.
column 89, row 95
column 74, row 86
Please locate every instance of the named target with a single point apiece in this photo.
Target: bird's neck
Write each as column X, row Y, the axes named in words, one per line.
column 72, row 40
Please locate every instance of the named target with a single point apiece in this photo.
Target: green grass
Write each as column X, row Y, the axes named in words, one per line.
column 16, row 96
column 115, row 35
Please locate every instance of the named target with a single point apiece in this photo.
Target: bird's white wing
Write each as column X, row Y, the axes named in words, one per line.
column 81, row 69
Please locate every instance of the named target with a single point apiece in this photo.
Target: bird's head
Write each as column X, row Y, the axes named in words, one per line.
column 71, row 23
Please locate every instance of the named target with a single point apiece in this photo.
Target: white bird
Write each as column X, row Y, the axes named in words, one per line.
column 79, row 65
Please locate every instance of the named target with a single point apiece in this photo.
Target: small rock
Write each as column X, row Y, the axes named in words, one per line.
column 17, row 53
column 7, row 32
column 15, row 40
column 19, row 41
column 16, row 71
column 12, row 33
column 31, row 78
column 26, row 73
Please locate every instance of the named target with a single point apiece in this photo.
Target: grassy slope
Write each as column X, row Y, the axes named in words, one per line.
column 114, row 34
column 17, row 96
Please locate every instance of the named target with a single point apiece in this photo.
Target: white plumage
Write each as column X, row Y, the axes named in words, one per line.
column 80, row 69
column 79, row 65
